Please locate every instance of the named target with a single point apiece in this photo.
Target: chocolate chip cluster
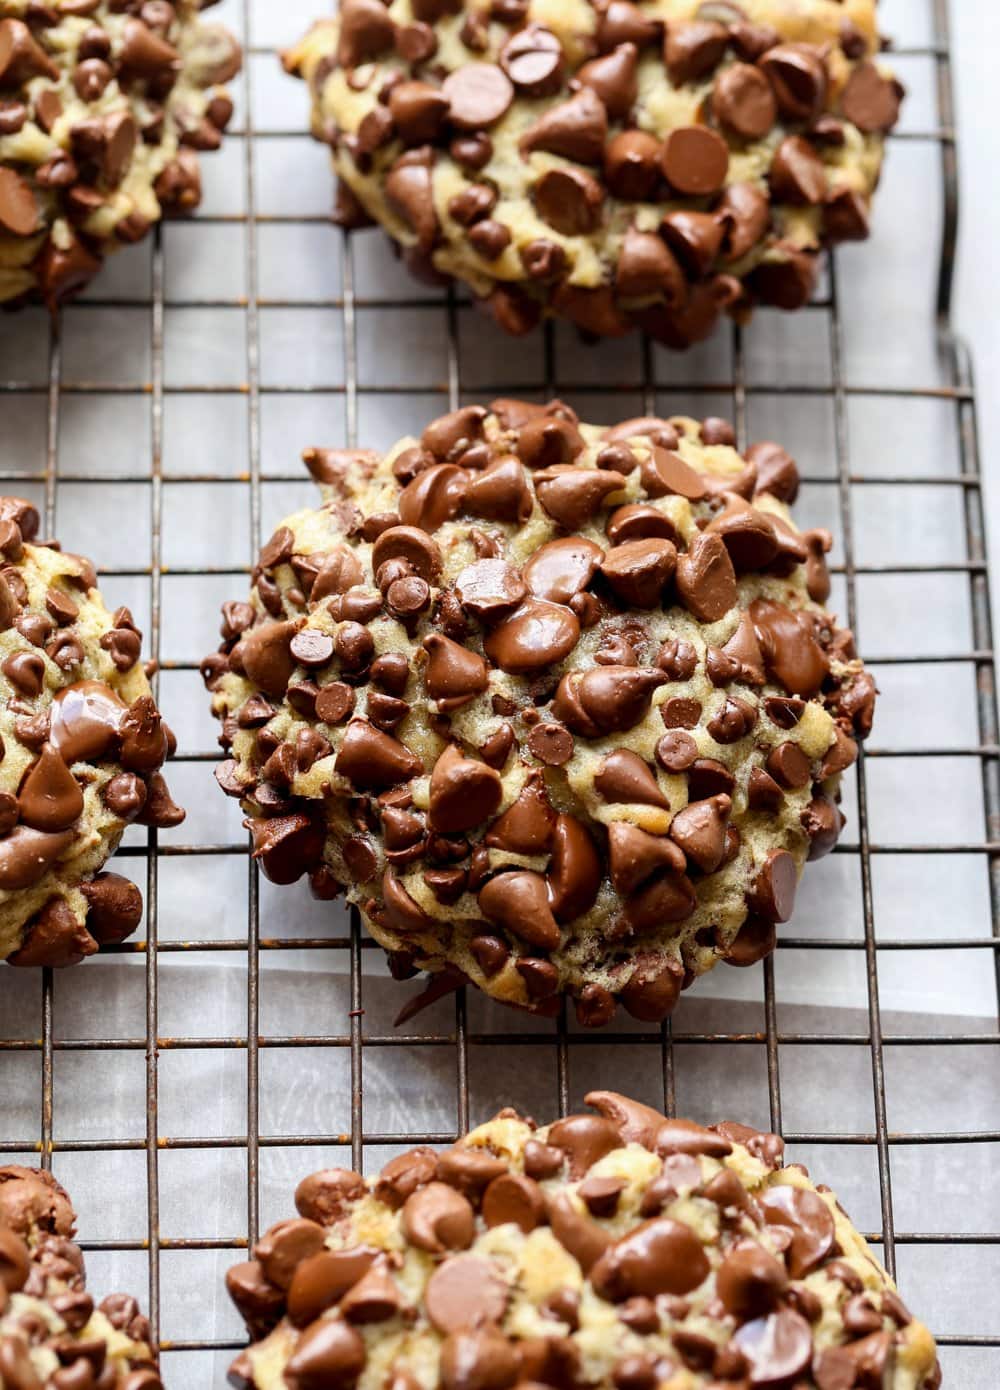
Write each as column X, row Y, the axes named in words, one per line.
column 619, row 1250
column 557, row 705
column 81, row 747
column 620, row 165
column 104, row 105
column 52, row 1334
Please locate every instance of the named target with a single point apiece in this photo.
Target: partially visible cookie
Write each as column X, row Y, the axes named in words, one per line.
column 82, row 747
column 104, row 106
column 620, row 1250
column 558, row 706
column 53, row 1336
column 650, row 165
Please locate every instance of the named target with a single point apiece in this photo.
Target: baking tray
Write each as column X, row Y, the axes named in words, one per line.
column 181, row 1084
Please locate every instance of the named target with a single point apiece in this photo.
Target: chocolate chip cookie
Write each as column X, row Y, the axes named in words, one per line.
column 558, row 706
column 621, row 165
column 81, row 747
column 104, row 105
column 620, row 1250
column 52, row 1334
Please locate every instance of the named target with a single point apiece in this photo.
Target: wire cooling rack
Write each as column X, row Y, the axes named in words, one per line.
column 181, row 1084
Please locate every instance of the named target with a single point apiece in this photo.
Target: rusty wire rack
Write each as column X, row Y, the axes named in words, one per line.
column 467, row 1032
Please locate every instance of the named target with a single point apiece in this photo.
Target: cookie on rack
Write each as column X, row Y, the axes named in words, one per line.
column 620, row 165
column 53, row 1336
column 558, row 706
column 620, row 1250
column 83, row 744
column 104, row 106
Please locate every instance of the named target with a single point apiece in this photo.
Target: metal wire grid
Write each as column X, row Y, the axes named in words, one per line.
column 353, row 1038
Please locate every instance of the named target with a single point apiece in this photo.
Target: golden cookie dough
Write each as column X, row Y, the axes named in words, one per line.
column 620, row 1250
column 83, row 744
column 558, row 706
column 104, row 105
column 621, row 165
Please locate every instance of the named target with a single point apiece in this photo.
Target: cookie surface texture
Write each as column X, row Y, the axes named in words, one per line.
column 620, row 165
column 104, row 107
column 54, row 1334
column 615, row 1249
column 558, row 706
column 83, row 745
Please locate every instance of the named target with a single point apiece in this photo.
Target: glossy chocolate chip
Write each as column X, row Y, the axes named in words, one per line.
column 661, row 1256
column 478, row 95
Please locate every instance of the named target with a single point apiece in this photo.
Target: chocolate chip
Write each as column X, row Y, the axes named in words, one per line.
column 692, row 49
column 575, row 129
column 50, row 797
column 574, row 876
column 632, row 165
column 706, row 581
column 490, row 589
column 418, row 111
column 334, row 702
column 661, row 1256
column 562, row 568
column 463, row 792
column 638, row 571
column 551, row 744
column 773, row 891
column 465, row 1290
column 791, row 653
column 695, row 160
column 744, row 213
column 809, row 1219
column 311, row 648
column 797, row 73
column 732, row 721
column 608, row 699
column 454, row 675
column 624, row 777
column 797, row 174
column 477, row 1360
column 635, row 855
column 326, row 1195
column 474, row 202
column 54, row 937
column 329, row 1350
column 533, row 61
column 613, row 77
column 743, row 101
column 700, row 830
column 570, row 200
column 789, row 766
column 408, row 189
column 500, row 492
column 870, row 101
column 541, row 978
column 25, row 671
column 646, row 266
column 21, row 57
column 478, row 94
column 600, row 1195
column 373, row 760
column 472, row 151
column 784, row 711
column 536, row 636
column 526, row 826
column 519, row 902
column 114, row 908
column 750, row 1281
column 321, row 1280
